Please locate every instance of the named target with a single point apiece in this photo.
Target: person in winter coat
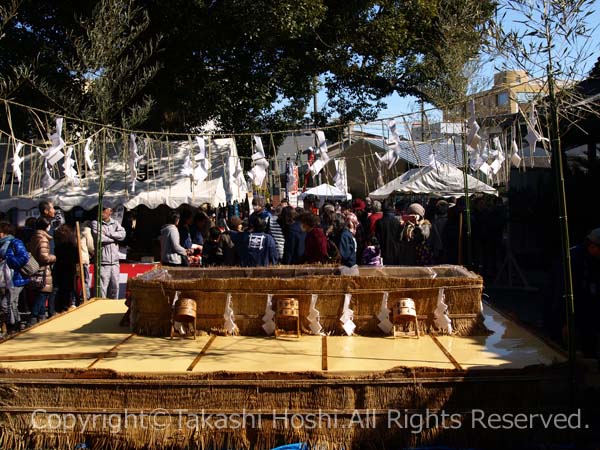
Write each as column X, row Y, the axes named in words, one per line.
column 87, row 252
column 374, row 217
column 343, row 239
column 185, row 221
column 261, row 249
column 315, row 242
column 112, row 234
column 415, row 238
column 39, row 247
column 293, row 249
column 13, row 251
column 63, row 272
column 171, row 251
column 259, row 211
column 387, row 231
column 213, row 252
column 276, row 231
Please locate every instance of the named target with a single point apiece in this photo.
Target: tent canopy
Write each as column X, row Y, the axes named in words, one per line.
column 160, row 182
column 326, row 191
column 445, row 180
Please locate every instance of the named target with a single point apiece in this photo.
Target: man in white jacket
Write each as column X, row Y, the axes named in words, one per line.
column 112, row 234
column 171, row 251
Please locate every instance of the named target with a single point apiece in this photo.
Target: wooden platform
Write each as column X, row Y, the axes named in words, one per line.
column 95, row 328
column 508, row 371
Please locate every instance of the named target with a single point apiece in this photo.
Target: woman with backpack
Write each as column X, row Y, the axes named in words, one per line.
column 13, row 255
column 41, row 283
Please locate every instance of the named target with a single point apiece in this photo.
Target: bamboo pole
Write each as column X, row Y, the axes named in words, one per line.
column 557, row 163
column 98, row 259
column 81, row 274
column 469, row 255
column 460, row 238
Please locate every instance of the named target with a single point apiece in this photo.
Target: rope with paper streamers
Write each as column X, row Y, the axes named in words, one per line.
column 79, row 164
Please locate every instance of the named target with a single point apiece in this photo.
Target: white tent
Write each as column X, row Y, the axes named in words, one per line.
column 326, row 191
column 160, row 182
column 442, row 179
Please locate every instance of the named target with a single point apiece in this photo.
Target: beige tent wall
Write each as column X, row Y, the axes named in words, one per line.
column 362, row 164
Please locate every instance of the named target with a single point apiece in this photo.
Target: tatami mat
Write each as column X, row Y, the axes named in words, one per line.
column 95, row 328
column 383, row 353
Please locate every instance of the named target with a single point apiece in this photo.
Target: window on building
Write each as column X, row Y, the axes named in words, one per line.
column 502, row 99
column 525, row 97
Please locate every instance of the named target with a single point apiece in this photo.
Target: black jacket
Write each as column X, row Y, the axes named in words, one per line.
column 387, row 230
column 293, row 248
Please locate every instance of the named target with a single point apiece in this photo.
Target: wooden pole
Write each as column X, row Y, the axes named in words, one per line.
column 81, row 273
column 460, row 237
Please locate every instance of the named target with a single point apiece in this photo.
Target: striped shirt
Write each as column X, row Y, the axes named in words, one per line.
column 277, row 233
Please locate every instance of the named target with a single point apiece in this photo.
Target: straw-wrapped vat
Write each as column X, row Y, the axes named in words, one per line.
column 152, row 296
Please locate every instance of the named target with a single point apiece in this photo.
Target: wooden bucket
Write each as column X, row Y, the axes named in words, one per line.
column 185, row 310
column 403, row 309
column 288, row 307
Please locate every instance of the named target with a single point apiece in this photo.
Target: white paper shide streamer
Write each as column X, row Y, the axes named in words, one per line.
column 314, row 316
column 54, row 153
column 178, row 326
column 533, row 136
column 440, row 315
column 347, row 317
column 499, row 157
column 47, row 179
column 385, row 324
column 390, row 157
column 268, row 322
column 187, row 170
column 260, row 165
column 323, row 158
column 87, row 155
column 69, row 168
column 229, row 317
column 134, row 159
column 515, row 159
column 16, row 163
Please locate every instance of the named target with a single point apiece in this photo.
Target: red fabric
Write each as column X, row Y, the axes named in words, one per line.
column 373, row 218
column 315, row 246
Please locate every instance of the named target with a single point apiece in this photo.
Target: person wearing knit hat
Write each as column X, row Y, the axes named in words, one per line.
column 416, row 209
column 416, row 238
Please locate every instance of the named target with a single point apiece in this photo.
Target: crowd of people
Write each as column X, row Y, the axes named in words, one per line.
column 362, row 232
